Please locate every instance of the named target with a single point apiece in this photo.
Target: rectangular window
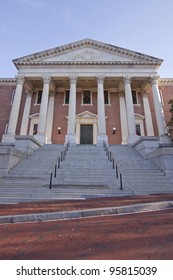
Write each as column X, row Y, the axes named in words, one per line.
column 161, row 97
column 106, row 97
column 12, row 97
column 138, row 129
column 35, row 129
column 39, row 97
column 86, row 97
column 6, row 128
column 134, row 97
column 67, row 96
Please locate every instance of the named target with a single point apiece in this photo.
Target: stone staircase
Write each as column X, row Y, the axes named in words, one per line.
column 140, row 175
column 85, row 172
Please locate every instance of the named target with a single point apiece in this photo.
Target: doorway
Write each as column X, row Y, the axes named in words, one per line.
column 86, row 134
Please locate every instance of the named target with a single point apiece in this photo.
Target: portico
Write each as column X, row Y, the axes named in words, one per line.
column 86, row 83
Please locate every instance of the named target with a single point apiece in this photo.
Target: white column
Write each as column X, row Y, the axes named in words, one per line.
column 71, row 131
column 101, row 112
column 49, row 121
column 25, row 118
column 130, row 112
column 123, row 119
column 163, row 137
column 9, row 137
column 147, row 112
column 43, row 111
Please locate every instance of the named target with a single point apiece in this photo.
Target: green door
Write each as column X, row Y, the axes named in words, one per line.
column 86, row 134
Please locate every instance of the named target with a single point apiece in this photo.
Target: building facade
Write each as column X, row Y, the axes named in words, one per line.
column 85, row 92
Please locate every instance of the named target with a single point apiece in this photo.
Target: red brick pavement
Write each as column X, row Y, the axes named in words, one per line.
column 134, row 236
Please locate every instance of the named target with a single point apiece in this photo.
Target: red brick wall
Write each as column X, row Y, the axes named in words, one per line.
column 112, row 111
column 5, row 107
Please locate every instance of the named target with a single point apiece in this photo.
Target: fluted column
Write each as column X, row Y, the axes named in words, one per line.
column 71, row 131
column 163, row 137
column 9, row 137
column 101, row 112
column 132, row 137
column 147, row 112
column 123, row 119
column 43, row 110
column 49, row 122
column 25, row 118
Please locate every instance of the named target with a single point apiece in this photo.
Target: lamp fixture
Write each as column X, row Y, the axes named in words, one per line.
column 59, row 130
column 113, row 130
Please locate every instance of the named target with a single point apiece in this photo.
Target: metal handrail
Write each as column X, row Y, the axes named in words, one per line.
column 115, row 164
column 57, row 164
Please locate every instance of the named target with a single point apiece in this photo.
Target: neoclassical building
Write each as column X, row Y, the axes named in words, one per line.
column 85, row 92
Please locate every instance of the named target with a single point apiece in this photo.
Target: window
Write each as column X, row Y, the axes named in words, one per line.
column 39, row 97
column 138, row 129
column 12, row 97
column 106, row 97
column 67, row 96
column 134, row 97
column 6, row 128
column 86, row 97
column 35, row 129
column 161, row 97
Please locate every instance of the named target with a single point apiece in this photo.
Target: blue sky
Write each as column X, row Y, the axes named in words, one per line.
column 28, row 26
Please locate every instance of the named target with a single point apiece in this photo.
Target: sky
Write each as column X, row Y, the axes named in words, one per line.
column 29, row 26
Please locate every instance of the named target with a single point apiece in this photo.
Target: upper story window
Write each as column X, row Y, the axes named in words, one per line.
column 161, row 97
column 106, row 97
column 134, row 97
column 39, row 97
column 12, row 97
column 67, row 96
column 86, row 99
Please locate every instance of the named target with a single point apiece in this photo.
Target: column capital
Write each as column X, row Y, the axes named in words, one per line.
column 127, row 79
column 46, row 79
column 154, row 80
column 73, row 79
column 100, row 79
column 20, row 79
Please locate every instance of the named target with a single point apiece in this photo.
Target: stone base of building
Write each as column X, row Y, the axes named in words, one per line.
column 8, row 138
column 9, row 157
column 145, row 145
column 163, row 158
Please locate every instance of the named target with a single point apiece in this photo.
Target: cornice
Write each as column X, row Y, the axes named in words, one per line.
column 109, row 63
column 8, row 80
column 36, row 57
column 165, row 81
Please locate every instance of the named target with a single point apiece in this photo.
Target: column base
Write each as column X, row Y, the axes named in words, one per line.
column 132, row 139
column 165, row 140
column 71, row 138
column 102, row 138
column 8, row 138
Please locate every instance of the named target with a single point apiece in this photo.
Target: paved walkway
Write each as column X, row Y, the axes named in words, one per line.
column 136, row 236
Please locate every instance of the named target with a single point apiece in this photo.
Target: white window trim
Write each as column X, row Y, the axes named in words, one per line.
column 83, row 104
column 109, row 103
column 139, row 121
column 36, row 98
column 137, row 97
column 6, row 128
column 65, row 104
column 161, row 97
column 34, row 120
column 12, row 97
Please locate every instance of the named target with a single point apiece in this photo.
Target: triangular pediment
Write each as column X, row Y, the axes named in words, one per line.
column 87, row 51
column 86, row 115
